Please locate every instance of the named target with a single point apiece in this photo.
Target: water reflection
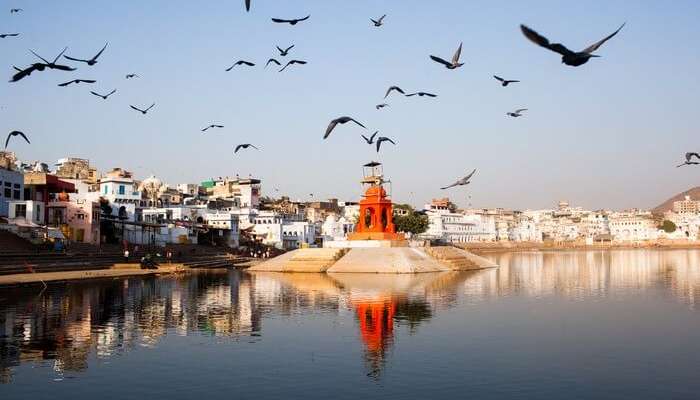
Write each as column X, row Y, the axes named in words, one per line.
column 67, row 327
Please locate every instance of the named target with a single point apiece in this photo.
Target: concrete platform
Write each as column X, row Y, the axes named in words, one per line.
column 392, row 260
column 301, row 260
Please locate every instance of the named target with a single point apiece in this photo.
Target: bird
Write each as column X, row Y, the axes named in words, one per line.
column 23, row 73
column 421, row 94
column 91, row 61
column 290, row 21
column 53, row 65
column 370, row 140
column 15, row 133
column 450, row 64
column 292, row 62
column 285, row 51
column 76, row 81
column 460, row 182
column 504, row 82
column 378, row 106
column 129, row 76
column 339, row 120
column 392, row 88
column 272, row 60
column 244, row 146
column 517, row 113
column 212, row 126
column 383, row 139
column 4, row 35
column 142, row 111
column 379, row 22
column 247, row 5
column 240, row 62
column 689, row 158
column 104, row 97
column 15, row 10
column 568, row 57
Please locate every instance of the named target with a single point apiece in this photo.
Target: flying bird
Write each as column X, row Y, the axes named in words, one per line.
column 689, row 159
column 378, row 22
column 76, row 81
column 392, row 88
column 272, row 60
column 504, row 82
column 290, row 21
column 450, row 64
column 142, row 111
column 370, row 139
column 339, row 120
column 212, row 126
column 129, row 76
column 292, row 62
column 421, row 94
column 460, row 182
column 247, row 5
column 91, row 61
column 378, row 106
column 568, row 57
column 383, row 139
column 517, row 113
column 104, row 97
column 53, row 65
column 15, row 133
column 15, row 10
column 23, row 73
column 4, row 35
column 244, row 146
column 240, row 62
column 285, row 51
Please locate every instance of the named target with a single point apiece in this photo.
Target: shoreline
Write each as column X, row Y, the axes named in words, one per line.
column 483, row 248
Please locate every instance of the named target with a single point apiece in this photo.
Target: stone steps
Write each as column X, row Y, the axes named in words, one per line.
column 458, row 259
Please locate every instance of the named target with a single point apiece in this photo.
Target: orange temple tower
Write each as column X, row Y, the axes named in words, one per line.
column 376, row 212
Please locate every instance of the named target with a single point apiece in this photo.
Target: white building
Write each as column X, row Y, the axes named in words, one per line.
column 632, row 227
column 11, row 189
column 450, row 227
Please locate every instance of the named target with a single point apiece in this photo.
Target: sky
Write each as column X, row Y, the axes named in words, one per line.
column 607, row 134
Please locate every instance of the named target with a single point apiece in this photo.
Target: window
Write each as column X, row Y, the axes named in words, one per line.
column 8, row 193
column 16, row 195
column 20, row 210
column 121, row 189
column 104, row 189
column 37, row 215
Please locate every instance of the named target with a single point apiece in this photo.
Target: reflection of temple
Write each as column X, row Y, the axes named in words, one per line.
column 377, row 331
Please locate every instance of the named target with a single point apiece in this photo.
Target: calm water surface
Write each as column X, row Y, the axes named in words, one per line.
column 595, row 325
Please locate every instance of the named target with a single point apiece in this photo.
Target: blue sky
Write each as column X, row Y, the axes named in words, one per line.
column 606, row 134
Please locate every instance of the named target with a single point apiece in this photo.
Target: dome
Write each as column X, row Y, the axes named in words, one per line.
column 151, row 183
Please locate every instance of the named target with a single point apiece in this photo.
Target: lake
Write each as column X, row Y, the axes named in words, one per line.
column 575, row 325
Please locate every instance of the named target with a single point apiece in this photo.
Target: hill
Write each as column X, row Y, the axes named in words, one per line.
column 694, row 194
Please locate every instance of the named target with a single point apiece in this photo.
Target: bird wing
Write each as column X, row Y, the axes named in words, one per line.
column 205, row 129
column 386, row 139
column 87, row 80
column 59, row 55
column 74, row 59
column 398, row 89
column 353, row 120
column 65, row 83
column 371, row 138
column 519, row 110
column 301, row 62
column 512, row 81
column 449, row 186
column 62, row 67
column 330, row 128
column 543, row 41
column 96, row 94
column 151, row 106
column 100, row 53
column 288, row 48
column 247, row 5
column 248, row 63
column 373, row 21
column 411, row 94
column 595, row 46
column 382, row 18
column 303, row 19
column 137, row 109
column 285, row 66
column 498, row 78
column 366, row 139
column 280, row 20
column 253, row 146
column 455, row 57
column 238, row 148
column 429, row 94
column 466, row 178
column 20, row 134
column 42, row 58
column 7, row 141
column 112, row 92
column 440, row 60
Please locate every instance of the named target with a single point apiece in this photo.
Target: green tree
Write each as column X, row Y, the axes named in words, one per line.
column 668, row 226
column 414, row 223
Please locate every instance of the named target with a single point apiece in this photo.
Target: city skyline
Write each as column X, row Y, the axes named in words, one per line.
column 567, row 147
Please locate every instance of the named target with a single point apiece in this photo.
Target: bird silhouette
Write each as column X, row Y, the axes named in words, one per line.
column 15, row 10
column 689, row 158
column 460, row 182
column 378, row 106
column 290, row 21
column 104, row 97
column 421, row 94
column 392, row 88
column 382, row 139
column 339, row 120
column 450, row 64
column 292, row 62
column 504, row 82
column 143, row 111
column 212, row 126
column 4, row 35
column 285, row 51
column 240, row 62
column 15, row 133
column 23, row 73
column 53, row 65
column 244, row 146
column 76, row 81
column 378, row 22
column 129, row 76
column 272, row 60
column 91, row 61
column 247, row 5
column 370, row 139
column 568, row 57
column 517, row 113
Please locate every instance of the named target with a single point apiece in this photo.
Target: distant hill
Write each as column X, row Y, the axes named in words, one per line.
column 694, row 194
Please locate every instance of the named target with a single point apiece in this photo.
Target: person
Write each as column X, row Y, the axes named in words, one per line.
column 126, row 255
column 169, row 256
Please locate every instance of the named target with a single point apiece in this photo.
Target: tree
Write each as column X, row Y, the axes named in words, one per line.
column 668, row 226
column 413, row 223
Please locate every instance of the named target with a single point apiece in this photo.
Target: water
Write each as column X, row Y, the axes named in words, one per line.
column 599, row 324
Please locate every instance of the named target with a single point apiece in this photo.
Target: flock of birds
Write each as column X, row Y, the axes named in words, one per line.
column 568, row 57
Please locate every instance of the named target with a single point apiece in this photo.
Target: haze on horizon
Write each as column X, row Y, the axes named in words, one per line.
column 607, row 134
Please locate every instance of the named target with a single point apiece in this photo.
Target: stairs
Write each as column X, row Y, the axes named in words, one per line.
column 458, row 259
